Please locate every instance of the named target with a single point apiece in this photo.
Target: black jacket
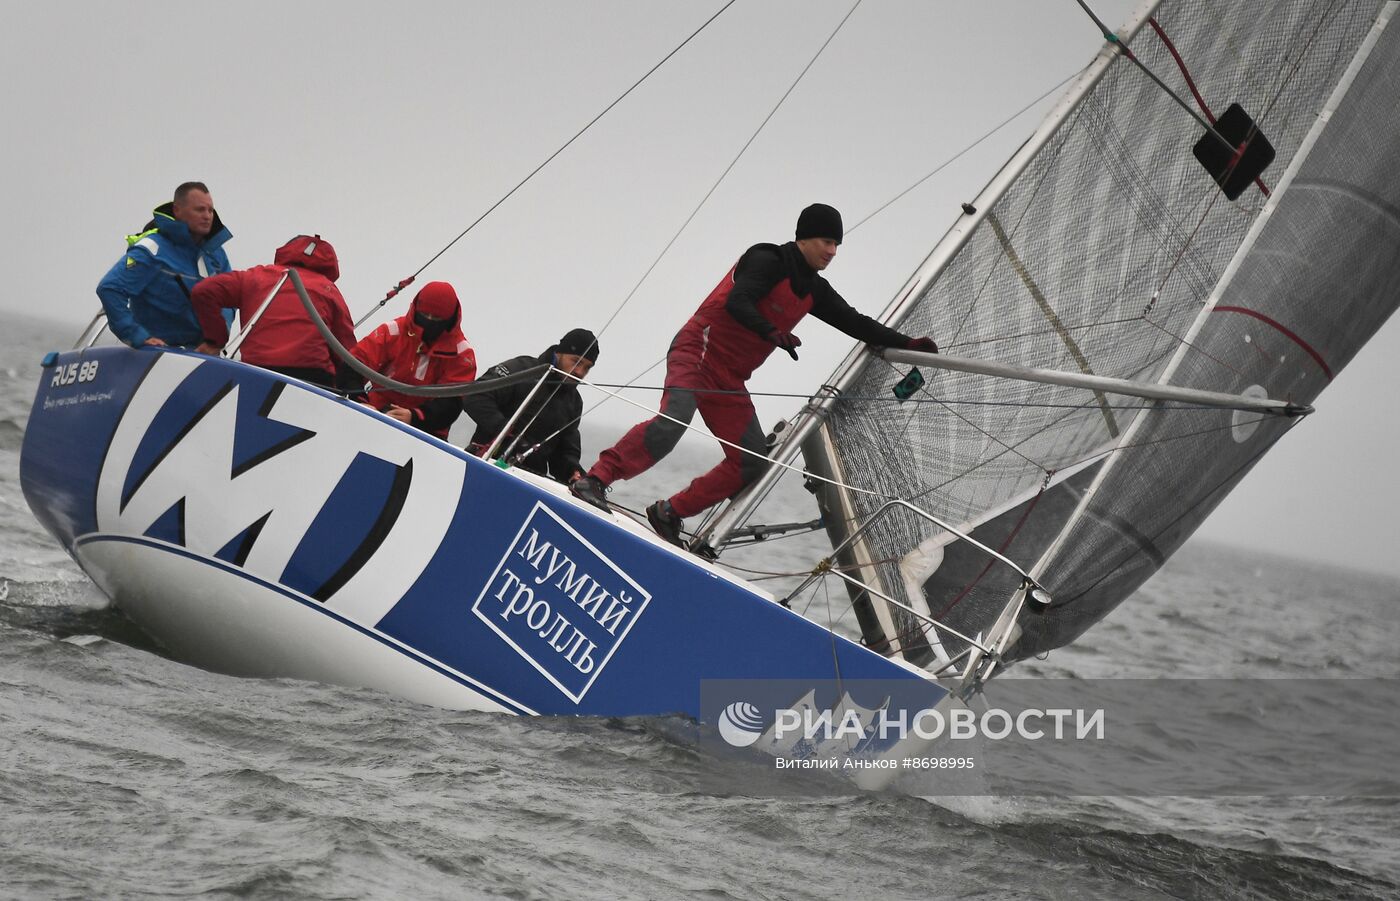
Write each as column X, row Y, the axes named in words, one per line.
column 765, row 265
column 555, row 408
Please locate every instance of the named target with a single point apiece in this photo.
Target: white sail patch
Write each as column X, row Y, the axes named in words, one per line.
column 1243, row 423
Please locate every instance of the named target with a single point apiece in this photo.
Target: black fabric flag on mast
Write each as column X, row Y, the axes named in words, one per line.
column 1232, row 169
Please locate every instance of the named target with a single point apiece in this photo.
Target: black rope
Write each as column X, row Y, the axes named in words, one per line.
column 445, row 389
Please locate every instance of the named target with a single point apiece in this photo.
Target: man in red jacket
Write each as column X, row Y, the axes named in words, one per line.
column 283, row 339
column 749, row 314
column 425, row 346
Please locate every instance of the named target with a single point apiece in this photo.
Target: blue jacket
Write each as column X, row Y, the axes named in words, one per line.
column 147, row 292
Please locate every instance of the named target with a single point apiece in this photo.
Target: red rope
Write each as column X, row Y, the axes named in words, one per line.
column 1200, row 101
column 1181, row 64
column 1282, row 330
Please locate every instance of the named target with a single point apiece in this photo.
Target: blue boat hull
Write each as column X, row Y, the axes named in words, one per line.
column 258, row 526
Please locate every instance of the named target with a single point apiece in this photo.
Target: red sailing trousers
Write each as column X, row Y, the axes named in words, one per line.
column 719, row 395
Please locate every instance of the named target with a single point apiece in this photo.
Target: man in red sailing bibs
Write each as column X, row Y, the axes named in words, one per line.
column 751, row 312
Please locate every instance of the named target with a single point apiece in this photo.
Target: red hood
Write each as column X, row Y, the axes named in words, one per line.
column 438, row 299
column 312, row 253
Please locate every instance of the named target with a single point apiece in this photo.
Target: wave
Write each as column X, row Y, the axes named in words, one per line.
column 11, row 435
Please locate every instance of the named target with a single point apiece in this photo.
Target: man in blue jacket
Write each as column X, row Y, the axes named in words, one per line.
column 147, row 292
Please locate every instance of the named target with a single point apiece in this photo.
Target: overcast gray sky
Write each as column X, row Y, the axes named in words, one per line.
column 388, row 129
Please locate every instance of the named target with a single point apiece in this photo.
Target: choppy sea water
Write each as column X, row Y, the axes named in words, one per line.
column 126, row 774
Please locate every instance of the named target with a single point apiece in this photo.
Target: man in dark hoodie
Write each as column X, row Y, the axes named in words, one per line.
column 751, row 313
column 146, row 293
column 545, row 433
column 284, row 339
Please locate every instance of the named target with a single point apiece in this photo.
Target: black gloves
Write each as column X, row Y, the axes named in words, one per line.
column 785, row 340
column 924, row 344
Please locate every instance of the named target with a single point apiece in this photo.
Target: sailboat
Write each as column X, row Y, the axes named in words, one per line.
column 1138, row 306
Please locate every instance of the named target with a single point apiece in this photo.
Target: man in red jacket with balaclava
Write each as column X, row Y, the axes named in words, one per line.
column 284, row 339
column 425, row 346
column 750, row 313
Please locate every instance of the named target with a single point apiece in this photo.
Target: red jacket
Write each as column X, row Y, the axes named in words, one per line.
column 396, row 349
column 770, row 289
column 284, row 335
column 732, row 348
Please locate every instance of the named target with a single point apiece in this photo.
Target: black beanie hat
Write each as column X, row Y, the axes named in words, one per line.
column 579, row 342
column 819, row 221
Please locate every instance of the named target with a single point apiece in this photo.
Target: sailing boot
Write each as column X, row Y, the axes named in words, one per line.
column 591, row 490
column 704, row 551
column 665, row 521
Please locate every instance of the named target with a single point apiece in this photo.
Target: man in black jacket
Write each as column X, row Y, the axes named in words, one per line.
column 548, row 427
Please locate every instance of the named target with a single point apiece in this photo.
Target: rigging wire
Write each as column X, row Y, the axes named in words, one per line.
column 1332, row 7
column 932, row 399
column 1186, row 244
column 1181, row 340
column 408, row 281
column 1188, row 239
column 882, row 399
column 811, row 596
column 954, row 158
column 732, row 163
column 763, row 574
column 743, row 450
column 831, row 630
column 576, row 420
column 1132, row 58
column 925, row 389
column 714, row 187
